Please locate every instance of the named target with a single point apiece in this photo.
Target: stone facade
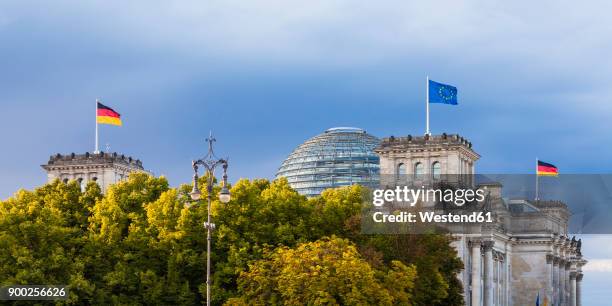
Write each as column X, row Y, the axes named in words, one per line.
column 451, row 155
column 525, row 251
column 102, row 168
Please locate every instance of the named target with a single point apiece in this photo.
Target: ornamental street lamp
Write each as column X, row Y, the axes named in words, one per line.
column 210, row 162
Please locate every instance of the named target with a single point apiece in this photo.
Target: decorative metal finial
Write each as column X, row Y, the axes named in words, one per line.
column 210, row 141
column 210, row 161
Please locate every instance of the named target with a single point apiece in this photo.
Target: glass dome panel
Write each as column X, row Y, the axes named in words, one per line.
column 338, row 157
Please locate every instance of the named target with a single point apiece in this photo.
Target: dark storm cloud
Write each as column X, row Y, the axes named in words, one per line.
column 533, row 79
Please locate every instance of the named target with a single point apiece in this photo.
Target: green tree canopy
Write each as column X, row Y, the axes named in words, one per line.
column 144, row 243
column 329, row 271
column 42, row 235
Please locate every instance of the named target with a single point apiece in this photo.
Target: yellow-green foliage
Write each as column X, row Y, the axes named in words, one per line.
column 329, row 271
column 140, row 244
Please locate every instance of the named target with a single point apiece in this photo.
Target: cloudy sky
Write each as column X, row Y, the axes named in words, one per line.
column 534, row 79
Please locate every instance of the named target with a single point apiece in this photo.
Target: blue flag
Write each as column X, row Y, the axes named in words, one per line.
column 442, row 93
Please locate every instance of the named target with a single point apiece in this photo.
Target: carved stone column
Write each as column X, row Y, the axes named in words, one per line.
column 572, row 288
column 568, row 265
column 508, row 292
column 579, row 289
column 476, row 274
column 560, row 282
column 555, row 299
column 488, row 272
column 549, row 275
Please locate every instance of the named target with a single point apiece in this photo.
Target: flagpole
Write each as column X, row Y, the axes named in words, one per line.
column 537, row 191
column 427, row 106
column 96, row 151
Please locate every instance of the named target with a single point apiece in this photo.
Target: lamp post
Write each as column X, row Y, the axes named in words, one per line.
column 210, row 162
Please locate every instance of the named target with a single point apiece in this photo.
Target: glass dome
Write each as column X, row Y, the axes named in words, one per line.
column 339, row 157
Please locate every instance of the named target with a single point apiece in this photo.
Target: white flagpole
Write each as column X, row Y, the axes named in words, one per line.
column 537, row 191
column 427, row 106
column 96, row 151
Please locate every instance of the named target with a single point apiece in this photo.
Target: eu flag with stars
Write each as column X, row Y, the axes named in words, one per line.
column 442, row 93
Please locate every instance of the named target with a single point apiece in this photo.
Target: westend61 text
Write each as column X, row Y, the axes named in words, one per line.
column 431, row 217
column 411, row 196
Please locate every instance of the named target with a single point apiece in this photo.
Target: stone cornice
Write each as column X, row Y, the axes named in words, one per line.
column 580, row 262
column 416, row 144
column 528, row 241
column 87, row 158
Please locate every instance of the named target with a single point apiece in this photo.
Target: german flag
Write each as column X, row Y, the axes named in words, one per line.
column 546, row 169
column 107, row 115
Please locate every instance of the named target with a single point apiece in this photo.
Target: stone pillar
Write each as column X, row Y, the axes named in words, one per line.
column 567, row 283
column 476, row 290
column 488, row 273
column 496, row 278
column 508, row 269
column 572, row 288
column 502, row 279
column 579, row 289
column 556, row 261
column 550, row 278
column 559, row 282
